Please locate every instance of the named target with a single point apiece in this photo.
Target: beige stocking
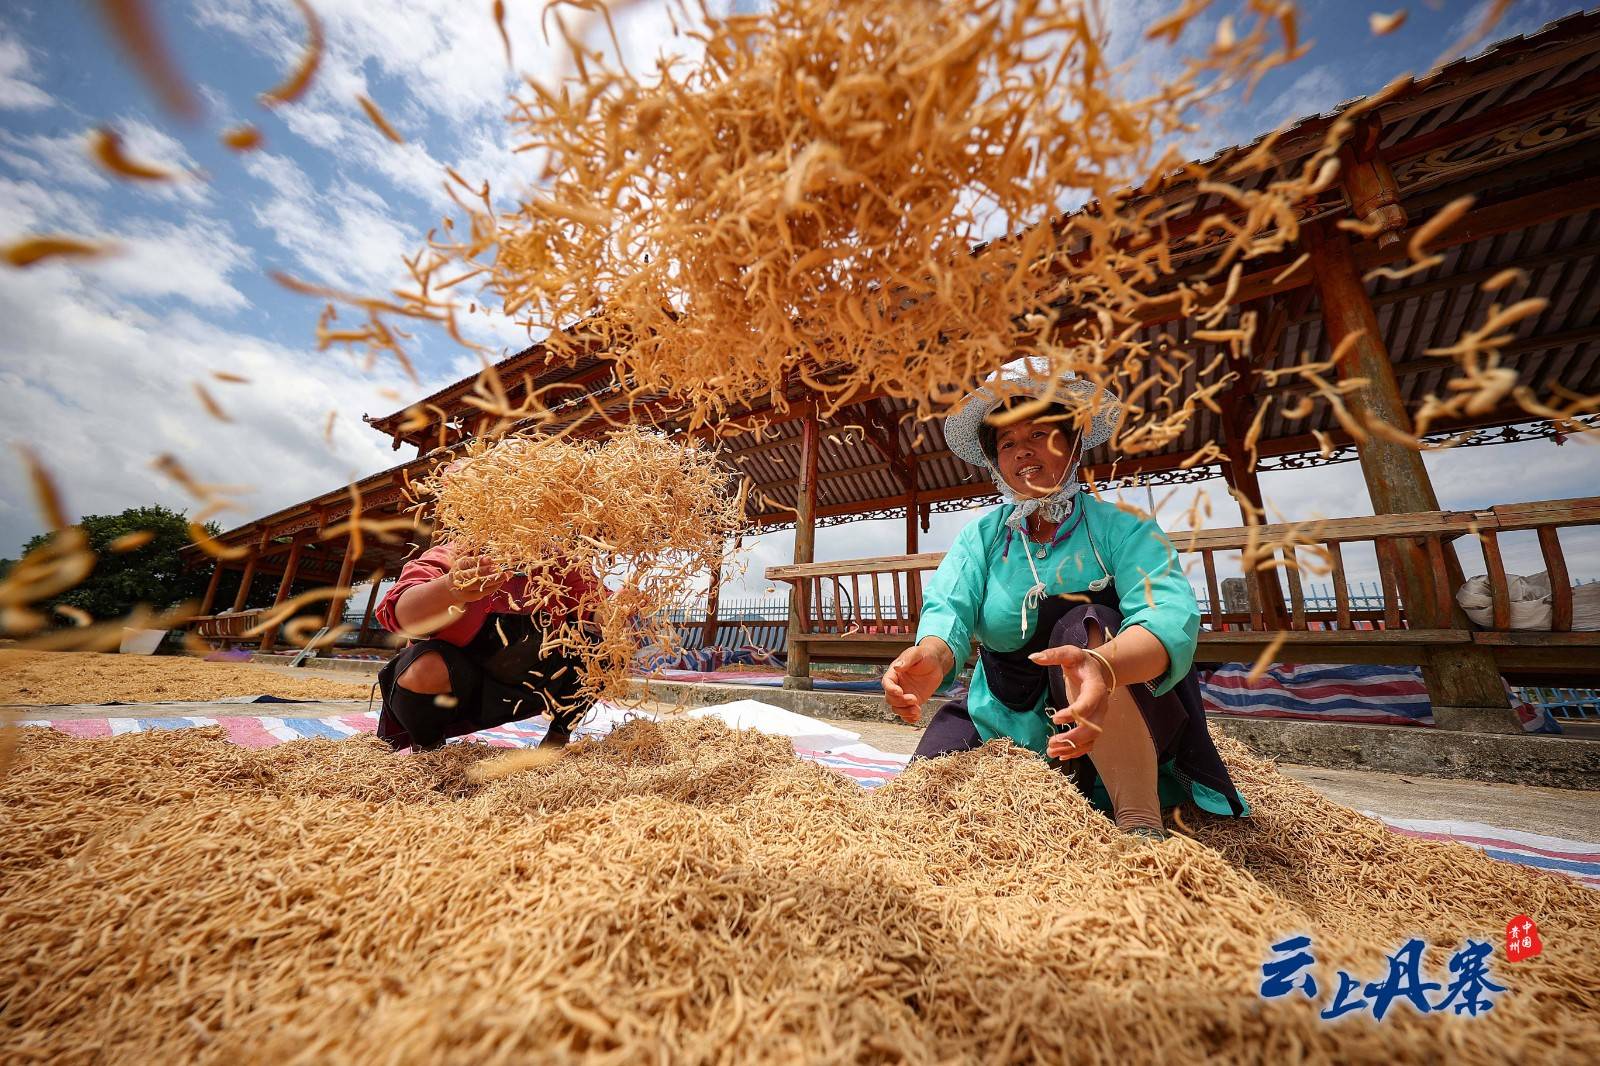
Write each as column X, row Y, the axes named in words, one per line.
column 1125, row 757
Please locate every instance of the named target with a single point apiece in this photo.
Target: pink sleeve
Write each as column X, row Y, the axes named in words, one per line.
column 419, row 571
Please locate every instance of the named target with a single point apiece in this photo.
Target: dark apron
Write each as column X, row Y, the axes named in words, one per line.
column 1176, row 719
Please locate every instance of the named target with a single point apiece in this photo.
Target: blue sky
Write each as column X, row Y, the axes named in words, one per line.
column 97, row 360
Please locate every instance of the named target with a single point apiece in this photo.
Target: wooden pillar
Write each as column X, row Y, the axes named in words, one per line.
column 805, row 542
column 249, row 575
column 1395, row 476
column 1463, row 683
column 346, row 569
column 372, row 604
column 708, row 633
column 290, row 567
column 1238, row 408
column 210, row 598
column 911, row 504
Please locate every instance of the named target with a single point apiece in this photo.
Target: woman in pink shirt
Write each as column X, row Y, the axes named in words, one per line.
column 477, row 658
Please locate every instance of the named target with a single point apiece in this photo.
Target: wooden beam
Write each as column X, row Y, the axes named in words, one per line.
column 913, row 503
column 1369, row 184
column 1490, row 220
column 1498, row 117
column 708, row 634
column 1239, row 471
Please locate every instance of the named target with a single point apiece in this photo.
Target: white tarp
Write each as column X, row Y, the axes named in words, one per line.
column 802, row 731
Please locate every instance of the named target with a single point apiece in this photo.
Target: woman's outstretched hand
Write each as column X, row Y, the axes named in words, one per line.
column 473, row 577
column 914, row 677
column 1086, row 677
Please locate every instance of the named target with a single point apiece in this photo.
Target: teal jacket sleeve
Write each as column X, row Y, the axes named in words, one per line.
column 953, row 596
column 1153, row 592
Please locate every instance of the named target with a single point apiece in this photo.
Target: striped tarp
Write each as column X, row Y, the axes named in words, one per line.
column 1575, row 858
column 1377, row 695
column 862, row 763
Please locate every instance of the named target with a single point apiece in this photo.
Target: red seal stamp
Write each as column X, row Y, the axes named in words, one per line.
column 1522, row 939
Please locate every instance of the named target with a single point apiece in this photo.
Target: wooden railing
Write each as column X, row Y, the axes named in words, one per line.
column 229, row 627
column 867, row 609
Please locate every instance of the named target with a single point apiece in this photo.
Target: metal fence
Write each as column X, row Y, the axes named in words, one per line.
column 750, row 610
column 1567, row 704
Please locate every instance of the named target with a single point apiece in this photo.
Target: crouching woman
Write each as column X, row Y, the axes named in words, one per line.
column 479, row 655
column 1085, row 623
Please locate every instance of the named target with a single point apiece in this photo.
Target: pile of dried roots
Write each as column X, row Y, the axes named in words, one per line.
column 643, row 516
column 799, row 198
column 683, row 893
column 40, row 677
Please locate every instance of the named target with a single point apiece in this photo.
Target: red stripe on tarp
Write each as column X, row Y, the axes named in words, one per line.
column 894, row 765
column 85, row 728
column 855, row 771
column 248, row 732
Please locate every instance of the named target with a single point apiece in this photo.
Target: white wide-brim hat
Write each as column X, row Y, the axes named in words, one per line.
column 1020, row 380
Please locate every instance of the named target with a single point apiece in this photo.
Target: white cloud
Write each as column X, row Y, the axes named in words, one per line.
column 17, row 89
column 343, row 235
column 27, row 206
column 192, row 260
column 57, row 160
column 65, row 159
column 99, row 386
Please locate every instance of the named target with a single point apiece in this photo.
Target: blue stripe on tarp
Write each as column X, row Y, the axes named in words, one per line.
column 315, row 727
column 168, row 722
column 1571, row 866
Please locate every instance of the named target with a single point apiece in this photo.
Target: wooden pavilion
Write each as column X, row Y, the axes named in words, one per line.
column 1517, row 127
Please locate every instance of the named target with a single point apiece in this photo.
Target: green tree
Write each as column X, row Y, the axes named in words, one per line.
column 152, row 573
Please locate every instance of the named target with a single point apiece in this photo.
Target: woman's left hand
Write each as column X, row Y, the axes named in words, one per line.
column 1087, row 678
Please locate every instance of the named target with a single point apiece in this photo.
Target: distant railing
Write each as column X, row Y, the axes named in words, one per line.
column 866, row 609
column 1565, row 704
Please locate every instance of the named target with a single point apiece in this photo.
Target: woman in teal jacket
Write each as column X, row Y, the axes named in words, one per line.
column 1084, row 621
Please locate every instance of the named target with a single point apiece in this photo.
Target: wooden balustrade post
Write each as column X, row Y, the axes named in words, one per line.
column 798, row 671
column 1463, row 683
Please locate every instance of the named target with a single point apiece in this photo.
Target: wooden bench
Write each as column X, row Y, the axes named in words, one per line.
column 866, row 610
